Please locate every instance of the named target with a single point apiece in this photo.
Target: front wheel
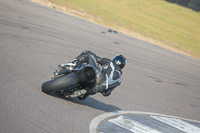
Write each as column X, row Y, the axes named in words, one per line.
column 60, row 83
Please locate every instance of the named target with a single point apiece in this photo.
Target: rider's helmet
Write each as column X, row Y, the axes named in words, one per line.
column 120, row 60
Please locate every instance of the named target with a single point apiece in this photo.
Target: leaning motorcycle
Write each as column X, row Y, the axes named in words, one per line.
column 71, row 83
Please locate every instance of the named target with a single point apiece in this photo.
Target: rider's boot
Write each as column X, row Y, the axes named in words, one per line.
column 78, row 93
column 83, row 97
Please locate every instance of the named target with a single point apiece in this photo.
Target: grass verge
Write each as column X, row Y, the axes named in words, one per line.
column 156, row 21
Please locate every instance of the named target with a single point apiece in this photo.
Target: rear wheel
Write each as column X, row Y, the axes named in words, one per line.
column 60, row 83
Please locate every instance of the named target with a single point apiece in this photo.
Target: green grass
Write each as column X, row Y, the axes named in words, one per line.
column 171, row 24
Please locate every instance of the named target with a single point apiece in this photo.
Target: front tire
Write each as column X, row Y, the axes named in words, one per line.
column 60, row 83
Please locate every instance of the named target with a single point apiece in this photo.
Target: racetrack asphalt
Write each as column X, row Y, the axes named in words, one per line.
column 34, row 39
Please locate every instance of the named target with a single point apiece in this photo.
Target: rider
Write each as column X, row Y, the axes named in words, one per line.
column 108, row 72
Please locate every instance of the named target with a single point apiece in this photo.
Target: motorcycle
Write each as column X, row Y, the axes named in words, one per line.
column 71, row 83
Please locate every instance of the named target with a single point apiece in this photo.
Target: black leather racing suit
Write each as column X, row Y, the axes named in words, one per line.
column 108, row 73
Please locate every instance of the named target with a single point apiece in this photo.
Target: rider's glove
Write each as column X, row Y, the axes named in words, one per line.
column 68, row 66
column 65, row 67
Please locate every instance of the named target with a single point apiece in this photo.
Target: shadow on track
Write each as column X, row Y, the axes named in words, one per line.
column 90, row 102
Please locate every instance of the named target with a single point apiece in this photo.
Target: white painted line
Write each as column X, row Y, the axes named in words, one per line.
column 179, row 124
column 132, row 125
column 99, row 119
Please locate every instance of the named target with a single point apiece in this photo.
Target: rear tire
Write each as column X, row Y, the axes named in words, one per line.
column 60, row 83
